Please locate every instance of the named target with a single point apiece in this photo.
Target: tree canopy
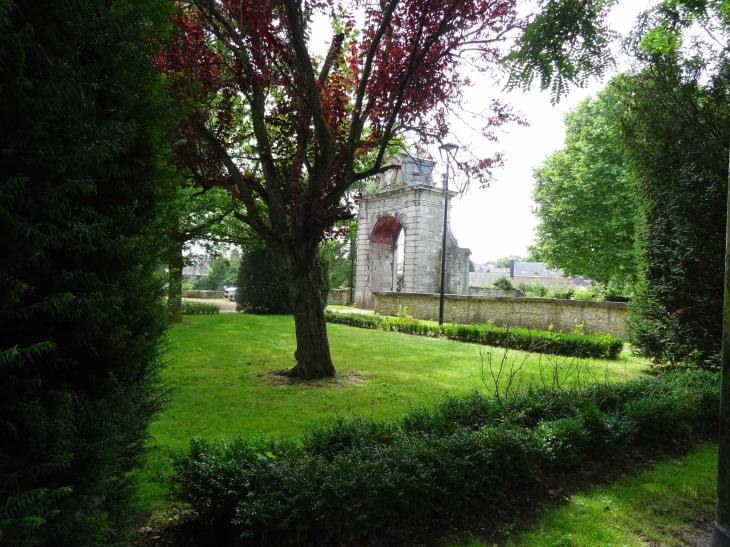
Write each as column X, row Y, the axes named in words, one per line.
column 639, row 189
column 288, row 133
column 675, row 126
column 585, row 196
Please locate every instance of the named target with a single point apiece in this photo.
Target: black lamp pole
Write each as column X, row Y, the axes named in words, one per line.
column 448, row 147
column 721, row 534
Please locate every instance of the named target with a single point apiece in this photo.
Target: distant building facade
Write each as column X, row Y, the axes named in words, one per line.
column 196, row 271
column 528, row 273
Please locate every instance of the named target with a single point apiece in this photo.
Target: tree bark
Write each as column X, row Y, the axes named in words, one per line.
column 305, row 288
column 175, row 265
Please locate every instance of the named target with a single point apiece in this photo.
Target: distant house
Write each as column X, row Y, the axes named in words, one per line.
column 486, row 274
column 529, row 273
column 196, row 270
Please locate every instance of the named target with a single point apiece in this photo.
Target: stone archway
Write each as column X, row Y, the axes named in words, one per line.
column 406, row 201
column 383, row 254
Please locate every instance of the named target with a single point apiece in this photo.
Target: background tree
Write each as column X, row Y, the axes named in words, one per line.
column 262, row 284
column 505, row 261
column 194, row 213
column 82, row 156
column 673, row 114
column 286, row 132
column 337, row 254
column 585, row 199
column 223, row 273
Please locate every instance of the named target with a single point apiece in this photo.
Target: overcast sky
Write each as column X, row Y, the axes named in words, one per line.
column 498, row 221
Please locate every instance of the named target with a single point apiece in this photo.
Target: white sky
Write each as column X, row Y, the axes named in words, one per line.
column 498, row 221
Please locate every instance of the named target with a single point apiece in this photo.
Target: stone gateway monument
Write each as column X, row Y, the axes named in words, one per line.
column 405, row 201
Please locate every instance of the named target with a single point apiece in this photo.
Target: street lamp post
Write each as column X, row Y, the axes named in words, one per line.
column 721, row 533
column 448, row 148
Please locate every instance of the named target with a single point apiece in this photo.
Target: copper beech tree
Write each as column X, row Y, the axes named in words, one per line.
column 288, row 133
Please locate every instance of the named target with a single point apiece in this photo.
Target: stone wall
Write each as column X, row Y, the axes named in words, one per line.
column 338, row 297
column 493, row 291
column 531, row 313
column 203, row 294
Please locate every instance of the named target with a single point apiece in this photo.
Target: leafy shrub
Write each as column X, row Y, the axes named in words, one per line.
column 594, row 294
column 563, row 295
column 534, row 290
column 199, row 308
column 604, row 346
column 504, row 283
column 350, row 480
column 540, row 291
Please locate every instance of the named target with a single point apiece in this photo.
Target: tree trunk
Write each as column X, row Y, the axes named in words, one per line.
column 305, row 289
column 175, row 281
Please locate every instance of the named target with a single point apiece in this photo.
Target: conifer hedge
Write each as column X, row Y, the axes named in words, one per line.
column 81, row 318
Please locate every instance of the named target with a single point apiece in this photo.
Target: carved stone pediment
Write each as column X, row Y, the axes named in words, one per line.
column 410, row 171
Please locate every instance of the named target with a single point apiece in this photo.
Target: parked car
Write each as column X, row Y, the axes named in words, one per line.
column 231, row 293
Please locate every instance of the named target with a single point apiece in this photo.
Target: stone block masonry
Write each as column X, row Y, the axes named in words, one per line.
column 529, row 313
column 203, row 294
column 406, row 203
column 339, row 297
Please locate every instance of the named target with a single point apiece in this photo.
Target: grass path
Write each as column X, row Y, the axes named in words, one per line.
column 218, row 365
column 668, row 504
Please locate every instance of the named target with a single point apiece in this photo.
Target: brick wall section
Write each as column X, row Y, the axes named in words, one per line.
column 531, row 313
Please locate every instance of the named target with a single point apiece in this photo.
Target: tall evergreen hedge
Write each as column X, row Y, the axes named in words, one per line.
column 262, row 283
column 674, row 125
column 81, row 177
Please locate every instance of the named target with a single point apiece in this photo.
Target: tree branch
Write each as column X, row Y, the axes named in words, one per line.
column 309, row 83
column 246, row 186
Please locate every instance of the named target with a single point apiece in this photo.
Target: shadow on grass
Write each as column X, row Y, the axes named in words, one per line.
column 670, row 503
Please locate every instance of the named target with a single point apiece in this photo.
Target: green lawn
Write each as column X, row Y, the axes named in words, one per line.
column 339, row 307
column 218, row 365
column 671, row 503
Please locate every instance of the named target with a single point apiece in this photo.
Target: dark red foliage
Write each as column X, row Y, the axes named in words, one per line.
column 289, row 134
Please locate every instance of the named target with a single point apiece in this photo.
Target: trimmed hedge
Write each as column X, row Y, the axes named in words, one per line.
column 199, row 308
column 603, row 346
column 353, row 480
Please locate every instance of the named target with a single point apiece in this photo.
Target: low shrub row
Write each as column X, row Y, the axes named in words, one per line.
column 354, row 481
column 199, row 308
column 603, row 346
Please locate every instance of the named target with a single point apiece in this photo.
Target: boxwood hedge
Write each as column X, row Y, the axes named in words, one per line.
column 356, row 481
column 604, row 346
column 199, row 308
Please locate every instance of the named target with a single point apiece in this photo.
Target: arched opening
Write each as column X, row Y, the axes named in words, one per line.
column 384, row 255
column 400, row 249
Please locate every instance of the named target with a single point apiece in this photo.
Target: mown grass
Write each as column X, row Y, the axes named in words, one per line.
column 671, row 503
column 219, row 385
